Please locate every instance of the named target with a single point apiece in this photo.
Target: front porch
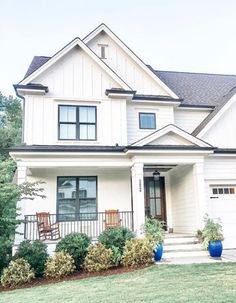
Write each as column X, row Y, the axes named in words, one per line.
column 163, row 182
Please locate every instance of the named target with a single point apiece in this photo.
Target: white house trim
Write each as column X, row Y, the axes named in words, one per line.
column 64, row 51
column 170, row 128
column 103, row 27
column 217, row 116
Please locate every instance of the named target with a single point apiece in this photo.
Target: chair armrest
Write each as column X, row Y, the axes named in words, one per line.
column 55, row 224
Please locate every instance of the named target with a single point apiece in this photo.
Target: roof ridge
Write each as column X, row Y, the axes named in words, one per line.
column 180, row 72
column 43, row 56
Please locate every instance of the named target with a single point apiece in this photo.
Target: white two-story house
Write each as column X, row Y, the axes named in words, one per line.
column 105, row 131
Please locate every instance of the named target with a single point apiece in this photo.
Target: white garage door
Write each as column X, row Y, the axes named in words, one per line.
column 222, row 204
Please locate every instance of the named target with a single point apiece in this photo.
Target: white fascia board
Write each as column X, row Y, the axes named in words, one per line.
column 171, row 128
column 196, row 108
column 104, row 28
column 159, row 102
column 66, row 154
column 25, row 91
column 120, row 96
column 171, row 151
column 217, row 117
column 64, row 51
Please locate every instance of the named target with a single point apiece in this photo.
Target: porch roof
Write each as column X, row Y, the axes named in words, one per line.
column 91, row 149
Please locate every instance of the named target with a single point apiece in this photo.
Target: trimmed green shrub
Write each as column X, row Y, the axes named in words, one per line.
column 115, row 237
column 76, row 245
column 59, row 265
column 18, row 272
column 35, row 253
column 98, row 258
column 116, row 256
column 138, row 252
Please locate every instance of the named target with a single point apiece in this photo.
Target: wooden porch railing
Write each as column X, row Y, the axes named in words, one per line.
column 92, row 224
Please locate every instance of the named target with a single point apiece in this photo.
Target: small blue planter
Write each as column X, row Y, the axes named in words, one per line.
column 215, row 249
column 158, row 251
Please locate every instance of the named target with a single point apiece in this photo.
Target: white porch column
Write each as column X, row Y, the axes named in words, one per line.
column 138, row 197
column 198, row 171
column 21, row 178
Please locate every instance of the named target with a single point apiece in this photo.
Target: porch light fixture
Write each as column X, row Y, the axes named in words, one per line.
column 156, row 175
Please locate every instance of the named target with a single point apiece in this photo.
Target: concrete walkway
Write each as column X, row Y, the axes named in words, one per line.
column 229, row 255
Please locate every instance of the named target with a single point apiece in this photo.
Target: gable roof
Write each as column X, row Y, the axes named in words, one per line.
column 174, row 129
column 212, row 117
column 105, row 29
column 195, row 89
column 77, row 41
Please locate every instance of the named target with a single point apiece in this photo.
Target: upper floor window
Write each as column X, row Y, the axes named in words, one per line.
column 103, row 50
column 77, row 122
column 147, row 120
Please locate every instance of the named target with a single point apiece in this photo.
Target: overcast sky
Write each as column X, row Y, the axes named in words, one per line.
column 182, row 35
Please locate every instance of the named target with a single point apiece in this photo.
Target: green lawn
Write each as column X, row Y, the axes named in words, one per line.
column 160, row 283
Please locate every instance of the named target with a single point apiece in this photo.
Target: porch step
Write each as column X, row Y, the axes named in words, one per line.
column 183, row 254
column 182, row 246
column 180, row 240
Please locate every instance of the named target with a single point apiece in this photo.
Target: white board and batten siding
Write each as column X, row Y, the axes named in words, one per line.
column 164, row 116
column 220, row 174
column 223, row 131
column 125, row 66
column 183, row 203
column 75, row 80
column 188, row 120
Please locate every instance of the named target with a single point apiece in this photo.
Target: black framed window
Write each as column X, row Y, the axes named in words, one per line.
column 76, row 198
column 77, row 122
column 147, row 120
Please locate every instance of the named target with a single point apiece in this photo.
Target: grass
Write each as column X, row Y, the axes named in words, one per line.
column 160, row 283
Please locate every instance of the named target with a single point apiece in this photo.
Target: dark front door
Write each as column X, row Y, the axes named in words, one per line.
column 155, row 204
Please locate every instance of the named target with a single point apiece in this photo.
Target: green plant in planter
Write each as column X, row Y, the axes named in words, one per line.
column 212, row 231
column 154, row 230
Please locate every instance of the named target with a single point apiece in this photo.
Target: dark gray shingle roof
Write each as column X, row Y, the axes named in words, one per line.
column 198, row 88
column 36, row 63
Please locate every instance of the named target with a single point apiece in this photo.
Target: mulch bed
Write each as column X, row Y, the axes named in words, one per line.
column 79, row 275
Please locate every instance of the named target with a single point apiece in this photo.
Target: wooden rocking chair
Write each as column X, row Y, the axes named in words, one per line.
column 46, row 229
column 112, row 218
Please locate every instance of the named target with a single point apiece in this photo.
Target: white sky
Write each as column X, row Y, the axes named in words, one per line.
column 182, row 35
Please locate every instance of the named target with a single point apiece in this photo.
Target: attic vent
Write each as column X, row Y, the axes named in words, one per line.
column 103, row 50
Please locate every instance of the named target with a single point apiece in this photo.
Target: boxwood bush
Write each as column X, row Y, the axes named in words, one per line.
column 115, row 237
column 18, row 272
column 76, row 244
column 138, row 252
column 59, row 265
column 98, row 258
column 35, row 254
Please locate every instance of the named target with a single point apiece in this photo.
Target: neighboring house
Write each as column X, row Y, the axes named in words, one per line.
column 105, row 131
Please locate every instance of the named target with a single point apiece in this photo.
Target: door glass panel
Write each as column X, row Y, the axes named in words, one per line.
column 154, row 195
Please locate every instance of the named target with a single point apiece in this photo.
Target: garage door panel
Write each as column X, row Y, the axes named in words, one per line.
column 222, row 205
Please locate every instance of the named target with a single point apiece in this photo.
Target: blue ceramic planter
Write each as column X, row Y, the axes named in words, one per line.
column 158, row 251
column 215, row 249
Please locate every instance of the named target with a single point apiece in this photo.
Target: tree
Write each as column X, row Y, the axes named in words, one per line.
column 10, row 124
column 11, row 193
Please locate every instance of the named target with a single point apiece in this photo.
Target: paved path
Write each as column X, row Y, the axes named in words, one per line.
column 229, row 255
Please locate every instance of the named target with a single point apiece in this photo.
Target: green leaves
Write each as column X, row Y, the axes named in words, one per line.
column 212, row 231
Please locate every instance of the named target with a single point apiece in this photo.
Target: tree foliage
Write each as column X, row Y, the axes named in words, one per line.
column 10, row 193
column 10, row 124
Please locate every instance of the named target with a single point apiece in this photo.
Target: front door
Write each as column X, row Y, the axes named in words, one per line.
column 155, row 205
